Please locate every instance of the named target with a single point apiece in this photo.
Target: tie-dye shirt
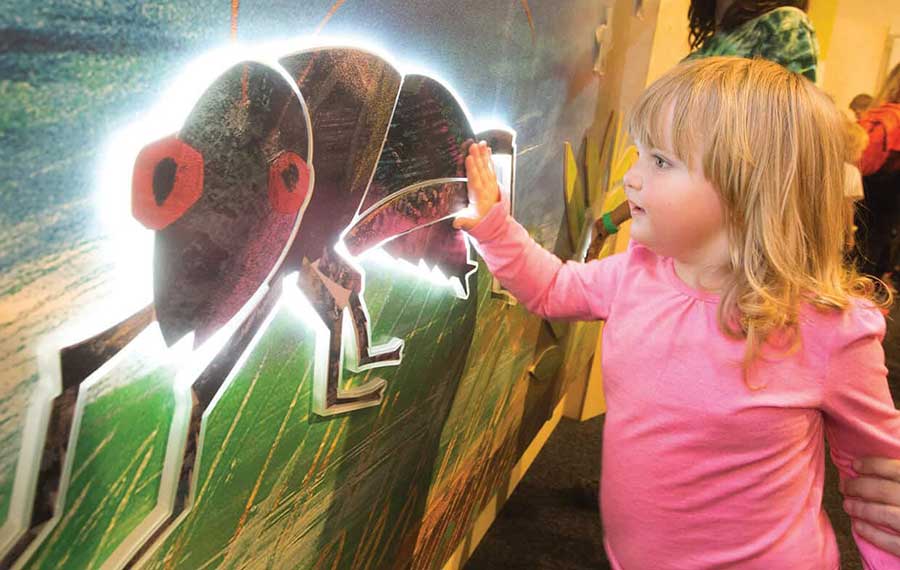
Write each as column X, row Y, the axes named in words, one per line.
column 783, row 35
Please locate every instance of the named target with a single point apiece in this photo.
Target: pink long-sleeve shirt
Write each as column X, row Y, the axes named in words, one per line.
column 700, row 470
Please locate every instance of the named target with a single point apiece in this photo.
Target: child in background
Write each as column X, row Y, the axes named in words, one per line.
column 880, row 164
column 856, row 143
column 736, row 338
column 860, row 104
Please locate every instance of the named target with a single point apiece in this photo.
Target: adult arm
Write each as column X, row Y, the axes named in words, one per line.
column 860, row 417
column 873, row 501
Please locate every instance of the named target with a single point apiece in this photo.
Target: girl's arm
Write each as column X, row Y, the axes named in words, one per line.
column 537, row 278
column 860, row 417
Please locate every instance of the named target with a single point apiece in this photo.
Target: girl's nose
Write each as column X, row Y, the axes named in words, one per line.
column 632, row 179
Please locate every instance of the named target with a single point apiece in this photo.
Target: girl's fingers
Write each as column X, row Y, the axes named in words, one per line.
column 480, row 168
column 464, row 223
column 473, row 173
column 482, row 185
column 485, row 152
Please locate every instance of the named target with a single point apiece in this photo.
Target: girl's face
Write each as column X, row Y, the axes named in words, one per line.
column 675, row 210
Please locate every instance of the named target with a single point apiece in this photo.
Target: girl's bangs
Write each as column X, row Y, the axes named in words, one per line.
column 667, row 115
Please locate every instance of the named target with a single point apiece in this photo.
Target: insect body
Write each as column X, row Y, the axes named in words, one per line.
column 291, row 169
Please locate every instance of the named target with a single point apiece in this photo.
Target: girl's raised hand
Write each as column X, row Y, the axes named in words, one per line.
column 483, row 189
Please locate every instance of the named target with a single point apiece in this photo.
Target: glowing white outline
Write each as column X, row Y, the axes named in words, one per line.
column 172, row 469
column 303, row 309
column 319, row 404
column 50, row 386
column 160, row 121
column 459, row 290
column 39, row 412
column 173, row 462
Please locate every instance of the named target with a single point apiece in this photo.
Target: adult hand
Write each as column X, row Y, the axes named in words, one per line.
column 873, row 499
column 483, row 189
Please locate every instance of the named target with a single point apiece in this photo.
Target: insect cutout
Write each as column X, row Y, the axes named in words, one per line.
column 283, row 170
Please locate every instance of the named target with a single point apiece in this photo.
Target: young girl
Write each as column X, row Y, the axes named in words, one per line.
column 735, row 336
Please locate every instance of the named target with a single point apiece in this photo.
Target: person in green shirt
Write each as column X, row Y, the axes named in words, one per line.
column 778, row 31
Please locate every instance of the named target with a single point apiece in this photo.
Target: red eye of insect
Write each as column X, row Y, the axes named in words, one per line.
column 288, row 182
column 167, row 180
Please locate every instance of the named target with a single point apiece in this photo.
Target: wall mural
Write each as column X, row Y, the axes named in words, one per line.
column 253, row 338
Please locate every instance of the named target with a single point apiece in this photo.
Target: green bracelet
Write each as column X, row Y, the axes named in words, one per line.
column 611, row 228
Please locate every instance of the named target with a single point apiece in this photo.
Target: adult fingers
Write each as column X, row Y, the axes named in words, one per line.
column 884, row 515
column 878, row 466
column 873, row 489
column 884, row 540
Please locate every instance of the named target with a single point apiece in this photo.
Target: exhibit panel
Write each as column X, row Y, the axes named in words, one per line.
column 237, row 327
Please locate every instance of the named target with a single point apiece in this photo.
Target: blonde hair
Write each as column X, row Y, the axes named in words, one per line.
column 857, row 140
column 774, row 146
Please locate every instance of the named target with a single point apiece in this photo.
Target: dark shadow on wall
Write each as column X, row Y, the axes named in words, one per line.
column 570, row 339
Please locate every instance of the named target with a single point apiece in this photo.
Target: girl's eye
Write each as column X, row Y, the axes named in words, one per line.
column 660, row 162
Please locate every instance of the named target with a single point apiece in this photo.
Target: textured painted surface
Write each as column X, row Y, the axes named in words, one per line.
column 392, row 486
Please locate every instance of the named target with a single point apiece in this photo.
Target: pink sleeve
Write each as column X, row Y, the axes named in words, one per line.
column 538, row 279
column 860, row 418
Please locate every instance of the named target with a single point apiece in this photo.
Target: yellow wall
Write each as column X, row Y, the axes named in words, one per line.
column 852, row 37
column 822, row 14
column 628, row 62
column 855, row 57
column 633, row 43
column 670, row 42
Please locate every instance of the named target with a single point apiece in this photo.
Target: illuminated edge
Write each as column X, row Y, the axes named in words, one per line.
column 174, row 459
column 505, row 168
column 48, row 386
column 319, row 404
column 429, row 272
column 174, row 462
